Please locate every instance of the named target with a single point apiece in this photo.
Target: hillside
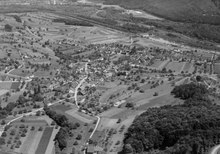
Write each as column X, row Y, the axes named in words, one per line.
column 192, row 127
column 203, row 11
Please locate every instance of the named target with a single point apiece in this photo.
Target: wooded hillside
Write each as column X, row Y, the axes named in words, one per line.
column 192, row 127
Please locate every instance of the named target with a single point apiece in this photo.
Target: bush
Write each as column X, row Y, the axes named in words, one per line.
column 8, row 28
column 155, row 94
column 32, row 128
column 75, row 143
column 2, row 141
column 79, row 137
column 3, row 122
column 4, row 134
column 40, row 129
column 53, row 123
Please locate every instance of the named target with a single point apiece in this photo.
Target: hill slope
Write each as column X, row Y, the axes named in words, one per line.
column 190, row 128
column 204, row 11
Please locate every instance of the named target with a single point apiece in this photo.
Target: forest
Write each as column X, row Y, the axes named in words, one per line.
column 192, row 127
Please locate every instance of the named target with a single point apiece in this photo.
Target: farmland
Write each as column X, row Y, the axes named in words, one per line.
column 217, row 68
column 42, row 146
column 73, row 78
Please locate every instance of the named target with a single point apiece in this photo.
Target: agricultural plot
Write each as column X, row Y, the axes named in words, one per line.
column 159, row 101
column 20, row 72
column 217, row 68
column 140, row 99
column 74, row 113
column 5, row 85
column 62, row 107
column 156, row 63
column 31, row 138
column 187, row 67
column 3, row 92
column 109, row 93
column 15, row 85
column 42, row 146
column 175, row 66
column 30, row 52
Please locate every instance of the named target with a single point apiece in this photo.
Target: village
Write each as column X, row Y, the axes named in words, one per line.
column 99, row 79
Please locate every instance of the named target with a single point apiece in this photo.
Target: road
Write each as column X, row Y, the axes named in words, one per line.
column 96, row 126
column 215, row 150
column 75, row 96
column 76, row 90
column 80, row 84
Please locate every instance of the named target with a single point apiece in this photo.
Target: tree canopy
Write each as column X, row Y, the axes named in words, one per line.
column 192, row 127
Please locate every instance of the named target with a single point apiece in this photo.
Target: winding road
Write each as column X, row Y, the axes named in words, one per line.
column 76, row 101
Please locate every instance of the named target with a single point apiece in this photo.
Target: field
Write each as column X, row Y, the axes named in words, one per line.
column 160, row 101
column 95, row 35
column 188, row 67
column 175, row 66
column 85, row 124
column 42, row 146
column 74, row 113
column 217, row 68
column 20, row 72
column 157, row 63
column 113, row 91
column 26, row 137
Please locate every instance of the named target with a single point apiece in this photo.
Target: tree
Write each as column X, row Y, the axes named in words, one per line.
column 79, row 137
column 32, row 128
column 3, row 122
column 8, row 28
column 53, row 123
column 4, row 134
column 38, row 113
column 40, row 129
column 119, row 120
column 60, row 138
column 155, row 94
column 75, row 143
column 129, row 105
column 2, row 141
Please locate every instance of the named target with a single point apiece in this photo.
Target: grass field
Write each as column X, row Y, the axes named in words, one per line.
column 187, row 67
column 34, row 144
column 5, row 85
column 156, row 63
column 74, row 113
column 160, row 101
column 42, row 146
column 61, row 107
column 20, row 72
column 104, row 98
column 25, row 149
column 175, row 66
